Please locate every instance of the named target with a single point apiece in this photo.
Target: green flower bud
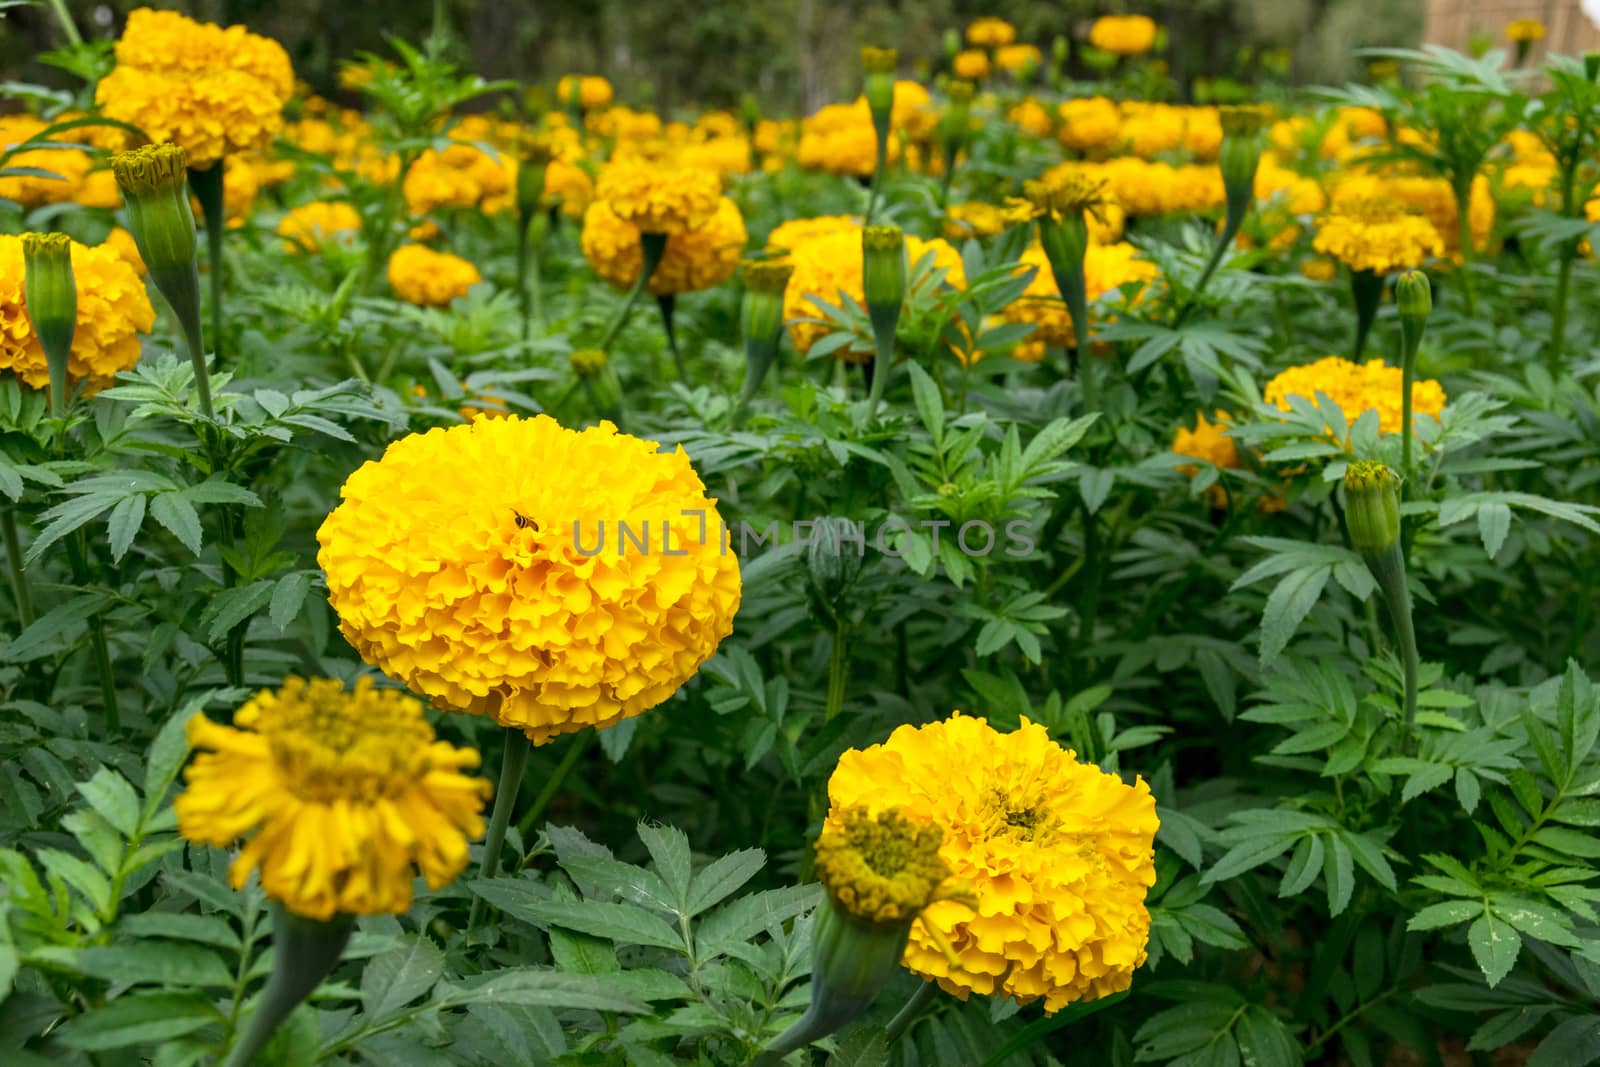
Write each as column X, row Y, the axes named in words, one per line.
column 880, row 64
column 1058, row 51
column 761, row 311
column 833, row 562
column 587, row 362
column 1239, row 157
column 952, row 44
column 1413, row 296
column 1371, row 506
column 955, row 125
column 52, row 304
column 883, row 269
column 531, row 168
column 750, row 110
column 1591, row 65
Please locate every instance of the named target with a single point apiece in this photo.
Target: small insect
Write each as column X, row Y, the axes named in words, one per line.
column 523, row 522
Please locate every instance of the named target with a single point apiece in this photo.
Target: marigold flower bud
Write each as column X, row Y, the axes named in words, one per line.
column 587, row 362
column 1058, row 50
column 1413, row 296
column 761, row 311
column 952, row 43
column 1239, row 157
column 51, row 294
column 154, row 184
column 883, row 269
column 1372, row 506
column 833, row 562
column 880, row 66
column 1591, row 65
column 536, row 157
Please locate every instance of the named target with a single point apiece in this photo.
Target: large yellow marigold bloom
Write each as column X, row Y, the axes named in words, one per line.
column 122, row 243
column 840, row 139
column 1124, row 35
column 209, row 89
column 1357, row 388
column 1376, row 235
column 1057, row 854
column 308, row 227
column 514, row 568
column 343, row 797
column 826, row 264
column 1105, row 267
column 990, row 32
column 1015, row 57
column 694, row 259
column 113, row 309
column 419, row 275
column 69, row 165
column 788, row 235
column 971, row 65
column 660, row 199
column 591, row 90
column 461, row 175
column 1088, row 124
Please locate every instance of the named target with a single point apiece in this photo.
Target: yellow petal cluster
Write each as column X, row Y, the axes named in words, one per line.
column 971, row 65
column 830, row 262
column 591, row 90
column 1057, row 854
column 113, row 309
column 789, row 234
column 840, row 139
column 1357, row 388
column 460, row 176
column 1123, row 35
column 209, row 89
column 69, row 164
column 1208, row 441
column 567, row 186
column 310, row 226
column 1015, row 57
column 1524, row 31
column 505, row 568
column 660, row 199
column 883, row 867
column 694, row 259
column 1143, row 187
column 978, row 219
column 1377, row 235
column 341, row 797
column 122, row 243
column 1088, row 124
column 990, row 32
column 419, row 275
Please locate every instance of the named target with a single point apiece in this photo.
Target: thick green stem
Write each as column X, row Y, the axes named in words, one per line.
column 910, row 1012
column 19, row 578
column 1366, row 287
column 883, row 331
column 1410, row 341
column 652, row 247
column 575, row 750
column 208, row 189
column 1389, row 568
column 877, row 175
column 668, row 305
column 305, row 952
column 1558, row 315
column 1464, row 229
column 838, row 675
column 512, row 764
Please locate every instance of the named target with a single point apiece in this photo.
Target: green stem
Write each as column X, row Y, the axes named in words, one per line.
column 668, row 305
column 97, row 636
column 1464, row 228
column 883, row 331
column 305, row 952
column 877, row 175
column 652, row 247
column 19, row 579
column 512, row 764
column 910, row 1012
column 838, row 675
column 524, row 302
column 1230, row 229
column 208, row 189
column 1089, row 600
column 547, row 792
column 64, row 17
column 1389, row 568
column 1410, row 342
column 1558, row 317
column 1366, row 288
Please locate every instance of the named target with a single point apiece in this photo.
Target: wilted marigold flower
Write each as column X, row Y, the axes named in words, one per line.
column 591, row 90
column 694, row 259
column 113, row 309
column 342, row 797
column 1057, row 855
column 419, row 275
column 209, row 89
column 1376, row 235
column 487, row 566
column 310, row 226
column 1123, row 35
column 1357, row 388
column 990, row 32
column 660, row 199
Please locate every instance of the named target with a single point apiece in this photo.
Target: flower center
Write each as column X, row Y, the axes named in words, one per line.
column 884, row 868
column 330, row 744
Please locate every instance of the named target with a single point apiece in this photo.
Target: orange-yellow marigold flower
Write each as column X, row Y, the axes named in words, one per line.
column 419, row 275
column 1357, row 388
column 694, row 259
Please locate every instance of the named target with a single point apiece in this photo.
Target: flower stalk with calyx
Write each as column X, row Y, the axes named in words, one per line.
column 1372, row 519
column 1238, row 158
column 883, row 283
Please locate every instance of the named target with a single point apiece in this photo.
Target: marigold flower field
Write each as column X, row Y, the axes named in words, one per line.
column 1034, row 561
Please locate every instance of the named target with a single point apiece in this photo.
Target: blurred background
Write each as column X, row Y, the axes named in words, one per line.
column 799, row 54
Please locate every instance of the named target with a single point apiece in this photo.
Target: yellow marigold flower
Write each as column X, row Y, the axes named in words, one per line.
column 1524, row 31
column 660, row 199
column 1032, row 117
column 419, row 275
column 788, row 235
column 1123, row 35
column 1105, row 267
column 972, row 65
column 1301, row 195
column 694, row 259
column 113, row 309
column 310, row 226
column 725, row 155
column 1057, row 854
column 1143, row 187
column 343, row 797
column 1357, row 388
column 1088, row 124
column 1015, row 57
column 977, row 219
column 461, row 175
column 497, row 567
column 69, row 164
column 840, row 139
column 881, row 868
column 591, row 90
column 122, row 243
column 569, row 187
column 1208, row 441
column 829, row 263
column 1319, row 268
column 209, row 89
column 990, row 32
column 99, row 189
column 1376, row 235
column 1434, row 198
